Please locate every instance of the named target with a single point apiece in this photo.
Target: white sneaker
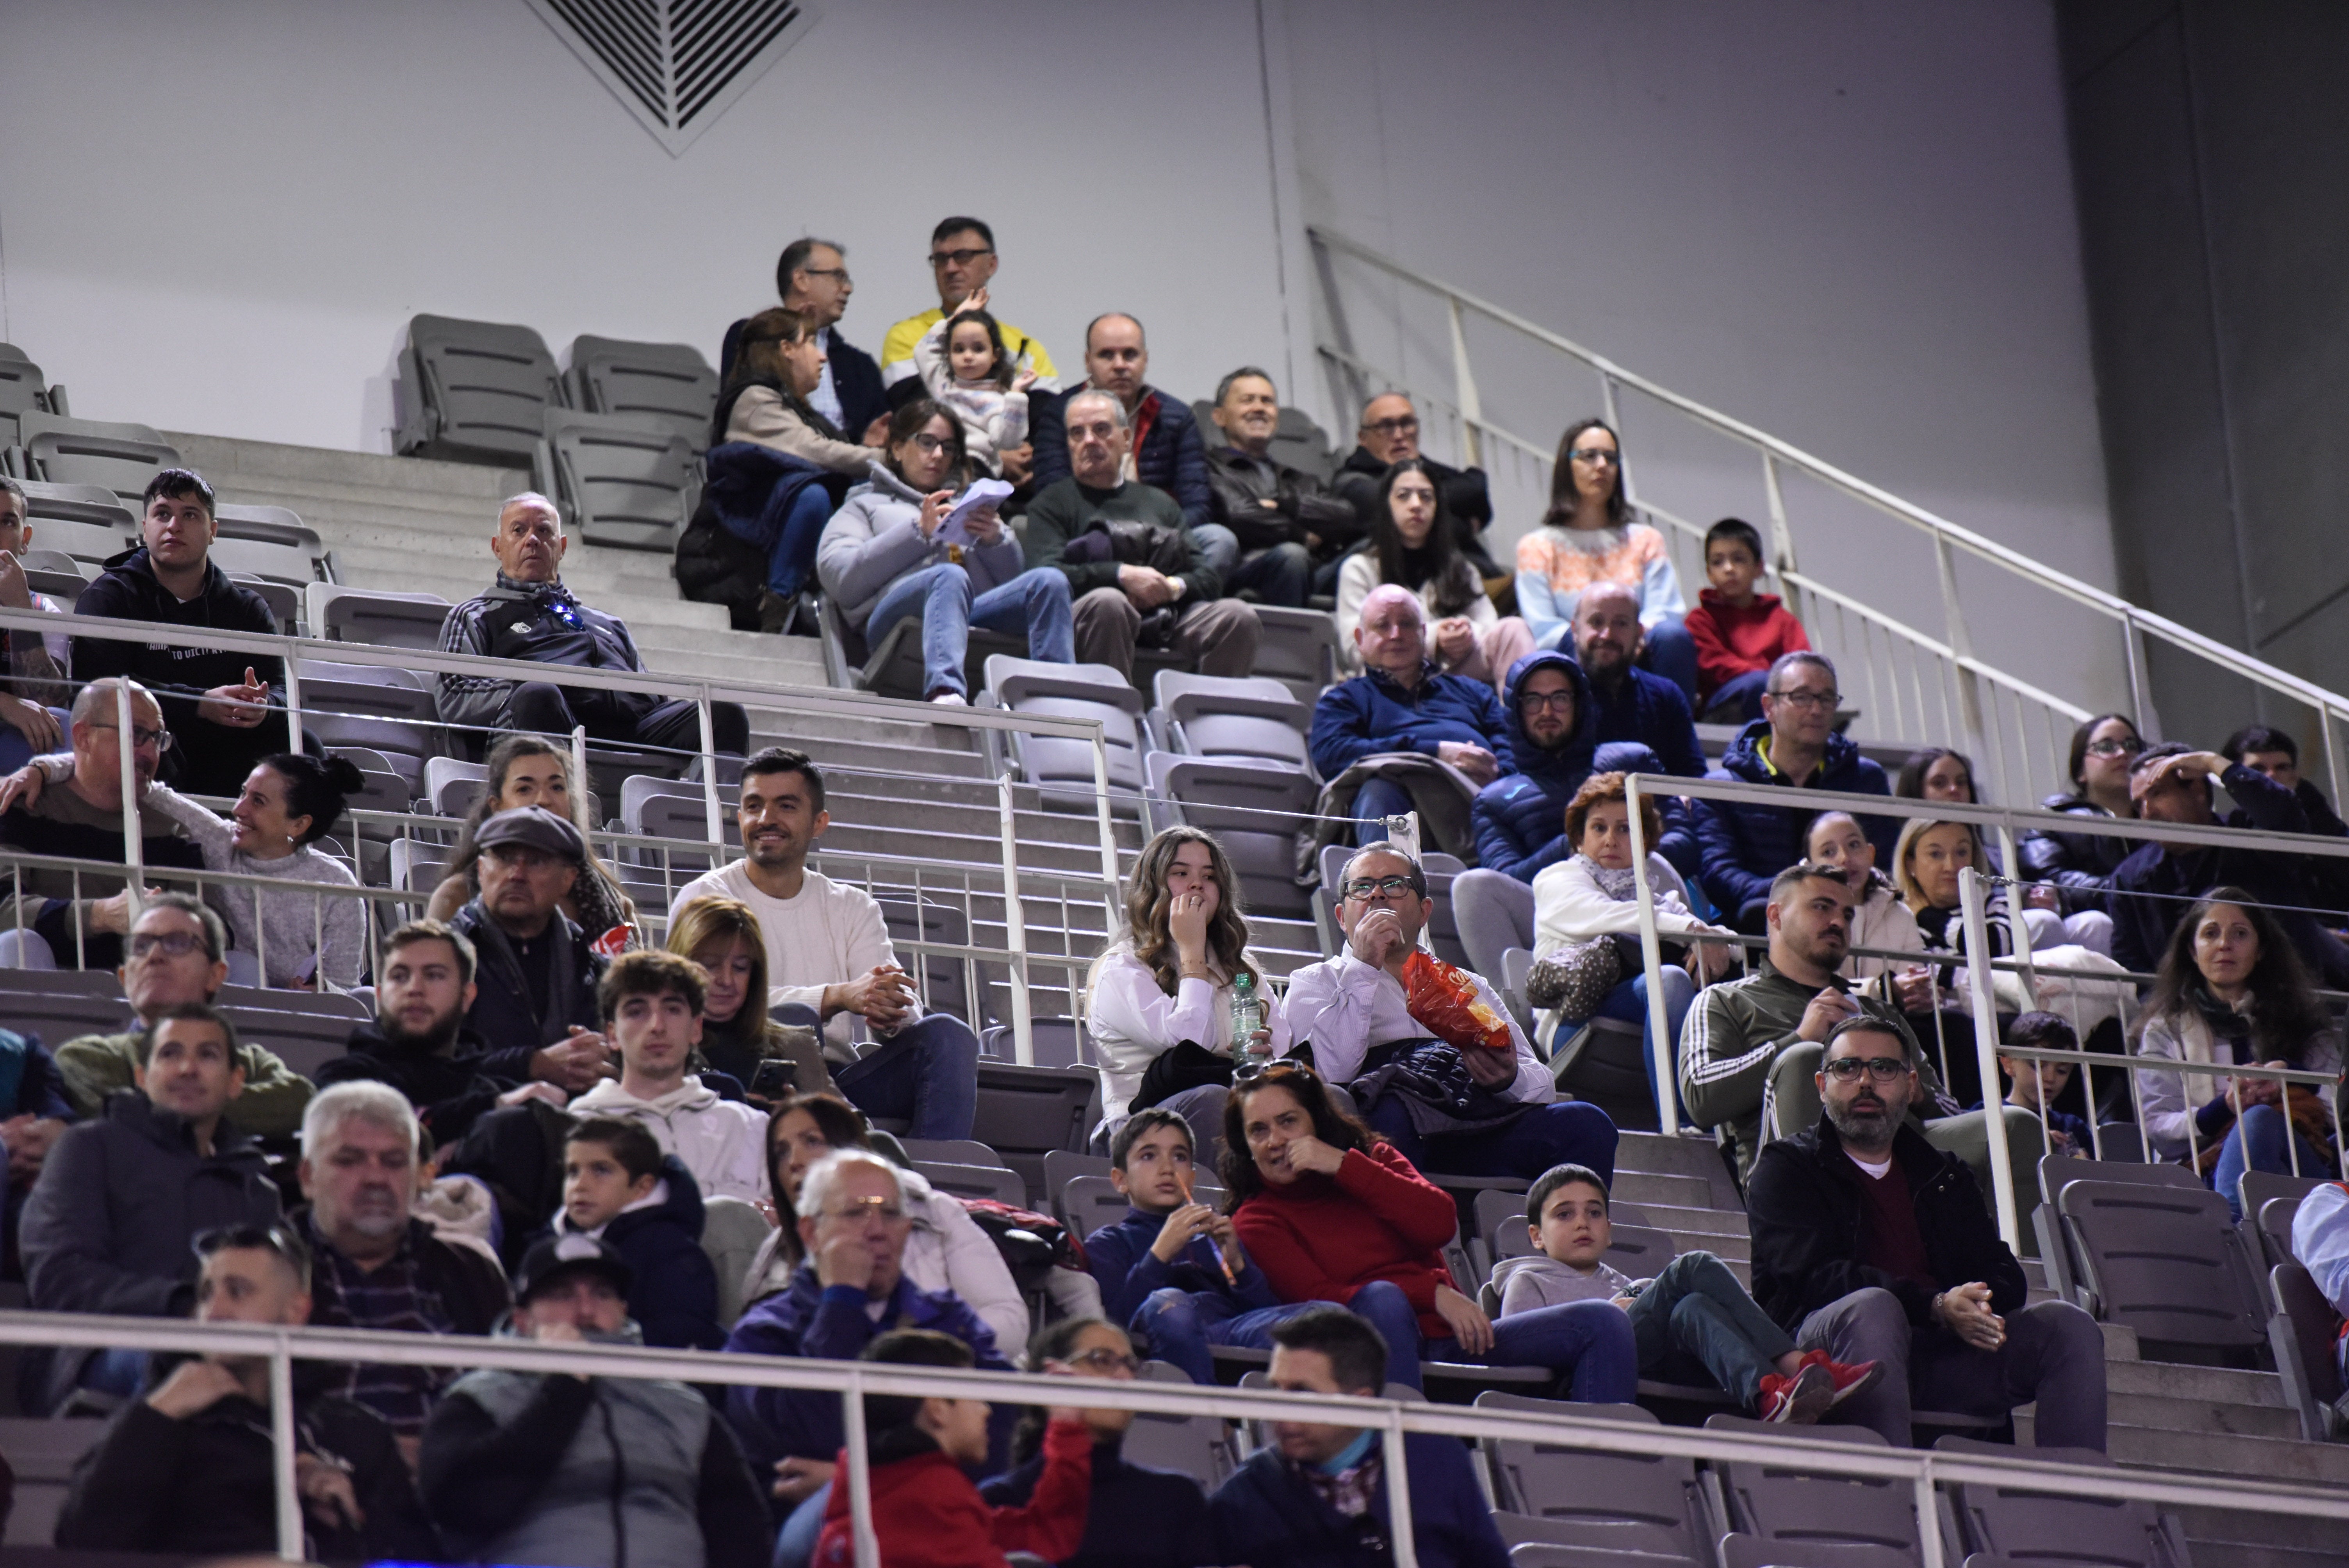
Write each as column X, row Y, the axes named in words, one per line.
column 951, row 699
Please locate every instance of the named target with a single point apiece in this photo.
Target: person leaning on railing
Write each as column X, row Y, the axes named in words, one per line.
column 2231, row 989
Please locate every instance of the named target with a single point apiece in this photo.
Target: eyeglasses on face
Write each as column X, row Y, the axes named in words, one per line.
column 926, row 442
column 857, row 1211
column 160, row 739
column 1561, row 699
column 1595, row 455
column 2109, row 748
column 959, row 258
column 1809, row 699
column 1103, row 1362
column 1407, row 425
column 1370, row 887
column 176, row 944
column 1883, row 1069
column 839, row 273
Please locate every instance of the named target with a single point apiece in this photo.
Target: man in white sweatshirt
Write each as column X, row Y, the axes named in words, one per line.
column 652, row 1011
column 829, row 961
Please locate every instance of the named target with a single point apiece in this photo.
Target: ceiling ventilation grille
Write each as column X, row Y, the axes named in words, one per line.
column 678, row 64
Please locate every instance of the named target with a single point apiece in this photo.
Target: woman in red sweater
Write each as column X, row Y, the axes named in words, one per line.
column 1331, row 1212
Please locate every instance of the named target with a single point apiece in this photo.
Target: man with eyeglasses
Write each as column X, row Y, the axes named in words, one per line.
column 1371, row 732
column 190, row 1469
column 175, row 958
column 1390, row 435
column 535, row 973
column 811, row 276
column 81, row 919
column 108, row 1225
column 850, row 1288
column 530, row 615
column 1465, row 1109
column 962, row 261
column 1794, row 745
column 1520, row 819
column 226, row 710
column 1164, row 449
column 1872, row 1244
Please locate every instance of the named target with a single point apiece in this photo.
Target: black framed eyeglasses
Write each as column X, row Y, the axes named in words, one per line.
column 1368, row 887
column 962, row 258
column 173, row 943
column 1883, row 1069
column 1562, row 700
column 2131, row 747
column 160, row 739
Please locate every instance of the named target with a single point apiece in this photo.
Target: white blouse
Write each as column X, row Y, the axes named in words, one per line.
column 1132, row 1021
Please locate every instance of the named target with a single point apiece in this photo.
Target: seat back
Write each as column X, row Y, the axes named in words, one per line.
column 1023, row 1112
column 1605, row 1063
column 1517, row 972
column 2307, row 1332
column 1552, row 1481
column 2269, row 1199
column 303, row 1040
column 1298, row 648
column 976, row 1182
column 43, row 1454
column 665, row 386
column 1742, row 1551
column 115, row 457
column 23, row 390
column 35, row 1004
column 2026, row 1526
column 1785, row 1502
column 271, row 542
column 56, row 573
column 1493, row 912
column 383, row 619
column 621, row 481
column 732, row 1232
column 1195, row 1446
column 943, row 976
column 452, row 784
column 1057, row 1042
column 1062, row 1165
column 476, row 391
column 1092, row 692
column 87, row 522
column 2166, row 1261
column 1256, row 812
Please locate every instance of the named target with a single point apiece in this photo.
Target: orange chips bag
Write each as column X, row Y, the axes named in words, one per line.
column 1445, row 1000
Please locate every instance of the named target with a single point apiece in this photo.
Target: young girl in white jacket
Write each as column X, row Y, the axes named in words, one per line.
column 963, row 363
column 1880, row 919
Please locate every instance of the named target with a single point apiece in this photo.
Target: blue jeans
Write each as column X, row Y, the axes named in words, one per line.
column 1670, row 653
column 1180, row 1324
column 2261, row 1130
column 1035, row 602
column 1627, row 1002
column 1378, row 798
column 1695, row 1306
column 1587, row 1343
column 787, row 536
column 1220, row 549
column 927, row 1073
column 16, row 750
column 795, row 1543
column 1741, row 696
column 1280, row 574
column 1571, row 1132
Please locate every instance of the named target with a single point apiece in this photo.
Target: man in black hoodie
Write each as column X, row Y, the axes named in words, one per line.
column 1871, row 1245
column 225, row 711
column 1390, row 435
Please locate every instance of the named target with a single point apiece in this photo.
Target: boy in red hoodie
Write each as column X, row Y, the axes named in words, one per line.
column 926, row 1512
column 1737, row 631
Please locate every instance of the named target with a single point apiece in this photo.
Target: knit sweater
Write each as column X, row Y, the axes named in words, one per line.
column 1555, row 565
column 1322, row 1238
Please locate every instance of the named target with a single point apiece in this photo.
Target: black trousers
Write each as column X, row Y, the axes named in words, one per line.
column 627, row 718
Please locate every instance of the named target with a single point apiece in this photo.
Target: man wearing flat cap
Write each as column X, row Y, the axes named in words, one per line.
column 536, row 973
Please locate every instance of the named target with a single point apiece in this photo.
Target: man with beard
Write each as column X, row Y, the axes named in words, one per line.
column 1870, row 1244
column 419, row 1042
column 373, row 1263
column 1632, row 704
column 829, row 957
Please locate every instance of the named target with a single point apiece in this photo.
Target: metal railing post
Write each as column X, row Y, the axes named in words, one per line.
column 1108, row 831
column 579, row 760
column 282, row 1451
column 1397, row 1490
column 1015, row 931
column 1661, row 1047
column 1463, row 379
column 709, row 802
column 859, row 1479
column 2140, row 680
column 1929, row 1518
column 134, row 843
column 293, row 701
column 1985, row 1009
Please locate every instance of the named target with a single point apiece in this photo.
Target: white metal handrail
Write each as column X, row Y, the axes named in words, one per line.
column 1777, row 456
column 1924, row 1470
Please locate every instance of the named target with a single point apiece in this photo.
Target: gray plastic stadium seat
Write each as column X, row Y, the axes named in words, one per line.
column 43, row 1454
column 272, row 543
column 1024, row 1112
column 1195, row 1446
column 667, row 809
column 1058, row 1042
column 2058, row 1171
column 119, row 458
column 303, row 1029
column 385, row 709
column 1517, row 972
column 1254, row 810
column 1787, row 1503
column 943, row 990
column 1062, row 1165
column 2166, row 1261
column 1740, row 1551
column 23, row 390
column 895, row 667
column 1244, row 716
column 2023, row 1526
column 451, row 784
column 976, row 1182
column 950, row 1151
column 89, row 522
column 666, row 386
column 1298, row 648
column 2271, row 1223
column 2259, row 1192
column 1651, row 1498
column 622, row 482
column 1062, row 770
column 475, row 391
column 1086, row 1203
column 2305, row 1336
column 56, row 573
column 1493, row 913
column 36, row 1002
column 375, row 617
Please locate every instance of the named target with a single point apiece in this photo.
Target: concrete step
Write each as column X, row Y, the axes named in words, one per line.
column 227, row 454
column 2217, row 1385
column 2205, row 1416
column 2258, row 1555
column 2216, row 1453
column 1662, row 1187
column 1716, row 1229
column 2243, row 1530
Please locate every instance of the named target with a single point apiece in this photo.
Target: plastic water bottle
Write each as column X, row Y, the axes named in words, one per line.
column 1247, row 1012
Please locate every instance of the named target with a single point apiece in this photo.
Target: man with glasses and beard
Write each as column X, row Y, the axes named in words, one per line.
column 1873, row 1245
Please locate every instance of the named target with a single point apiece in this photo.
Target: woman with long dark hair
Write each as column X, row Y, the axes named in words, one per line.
column 1169, row 981
column 2103, row 748
column 1331, row 1212
column 2231, row 989
column 530, row 771
column 1588, row 536
column 1412, row 544
column 890, row 554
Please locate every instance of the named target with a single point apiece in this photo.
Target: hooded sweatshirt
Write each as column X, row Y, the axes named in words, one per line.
column 1733, row 640
column 673, row 1286
column 722, row 1142
column 448, row 1091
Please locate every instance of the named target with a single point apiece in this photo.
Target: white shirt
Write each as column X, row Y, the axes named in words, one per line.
column 826, row 398
column 828, row 934
column 1132, row 1021
column 1875, row 1168
column 1344, row 1006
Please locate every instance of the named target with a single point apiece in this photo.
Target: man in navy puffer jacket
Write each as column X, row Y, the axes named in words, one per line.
column 1520, row 819
column 1794, row 744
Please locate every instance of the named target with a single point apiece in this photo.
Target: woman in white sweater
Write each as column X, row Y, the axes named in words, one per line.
column 1169, row 981
column 1593, row 893
column 289, row 802
column 1412, row 544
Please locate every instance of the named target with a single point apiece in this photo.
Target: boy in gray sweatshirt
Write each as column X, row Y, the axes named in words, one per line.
column 1694, row 1307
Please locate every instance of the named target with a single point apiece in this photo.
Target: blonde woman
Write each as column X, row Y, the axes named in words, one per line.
column 738, row 1038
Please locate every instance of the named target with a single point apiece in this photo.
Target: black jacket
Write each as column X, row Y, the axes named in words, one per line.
column 208, row 1484
column 472, row 1290
column 448, row 1091
column 205, row 759
column 2080, row 863
column 541, row 623
column 1239, row 485
column 509, row 1023
column 1171, row 457
column 673, row 1294
column 1803, row 1205
column 1140, row 1517
column 1465, row 497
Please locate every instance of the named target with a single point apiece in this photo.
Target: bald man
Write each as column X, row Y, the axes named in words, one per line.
column 1402, row 703
column 1390, row 435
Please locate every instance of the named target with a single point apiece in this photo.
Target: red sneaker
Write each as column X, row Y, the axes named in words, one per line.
column 1798, row 1401
column 1849, row 1379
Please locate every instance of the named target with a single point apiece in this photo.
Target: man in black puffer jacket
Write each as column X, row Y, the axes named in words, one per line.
column 1871, row 1244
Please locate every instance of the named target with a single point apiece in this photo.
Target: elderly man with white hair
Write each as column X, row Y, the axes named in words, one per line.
column 374, row 1265
column 1403, row 704
column 850, row 1289
column 1138, row 574
column 530, row 615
